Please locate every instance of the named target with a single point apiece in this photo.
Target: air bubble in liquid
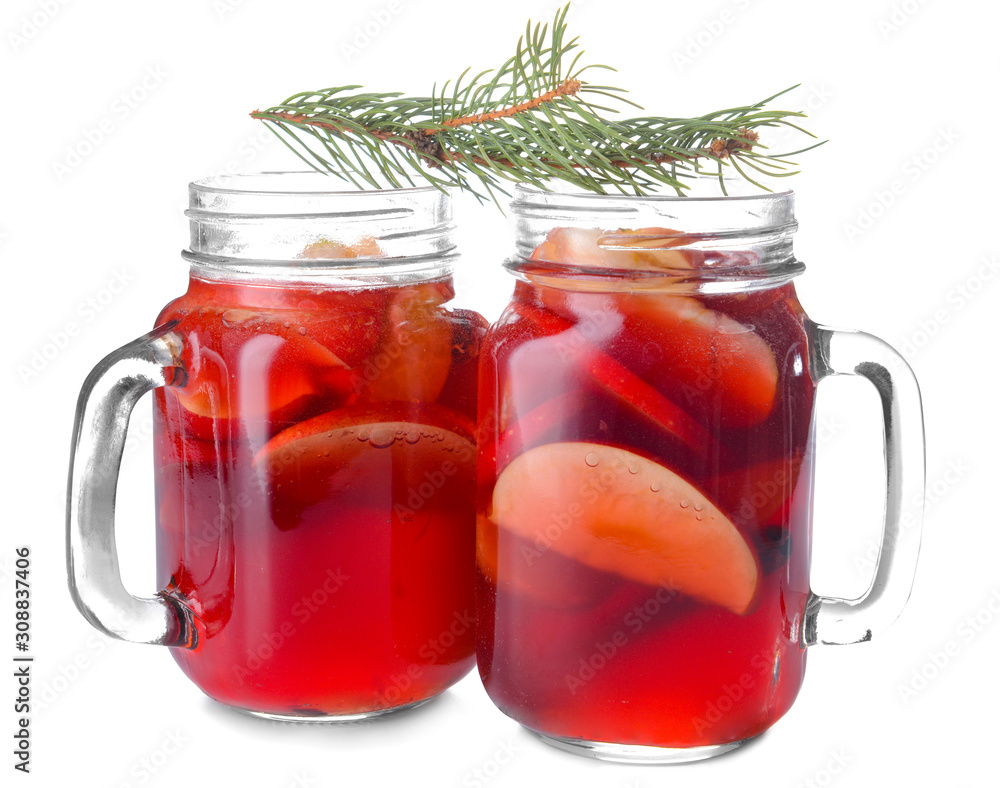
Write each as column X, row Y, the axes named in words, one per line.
column 382, row 437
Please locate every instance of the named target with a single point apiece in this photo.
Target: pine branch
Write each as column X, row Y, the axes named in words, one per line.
column 568, row 87
column 525, row 122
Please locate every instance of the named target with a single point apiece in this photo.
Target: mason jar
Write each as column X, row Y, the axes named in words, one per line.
column 647, row 445
column 314, row 443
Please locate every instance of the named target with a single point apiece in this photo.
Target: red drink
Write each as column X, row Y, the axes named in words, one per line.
column 645, row 496
column 315, row 482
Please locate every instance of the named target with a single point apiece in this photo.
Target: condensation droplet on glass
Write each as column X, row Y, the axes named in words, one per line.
column 592, row 459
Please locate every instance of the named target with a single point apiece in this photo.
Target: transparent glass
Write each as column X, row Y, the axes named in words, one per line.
column 646, row 476
column 314, row 444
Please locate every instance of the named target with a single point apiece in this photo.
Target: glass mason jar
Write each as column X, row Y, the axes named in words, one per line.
column 646, row 474
column 314, row 427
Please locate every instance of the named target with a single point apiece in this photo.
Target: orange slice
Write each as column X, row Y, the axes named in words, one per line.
column 616, row 511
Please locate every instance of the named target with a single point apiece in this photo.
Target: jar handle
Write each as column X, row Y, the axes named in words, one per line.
column 839, row 621
column 102, row 414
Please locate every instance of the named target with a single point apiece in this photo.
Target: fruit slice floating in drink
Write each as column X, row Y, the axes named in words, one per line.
column 623, row 383
column 347, row 448
column 529, row 567
column 700, row 349
column 643, row 551
column 630, row 516
column 644, row 249
column 332, row 249
column 415, row 356
column 321, row 452
column 541, row 425
column 460, row 391
column 279, row 370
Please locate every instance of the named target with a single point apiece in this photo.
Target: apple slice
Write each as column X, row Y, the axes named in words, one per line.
column 348, row 323
column 704, row 351
column 460, row 390
column 414, row 359
column 706, row 354
column 247, row 365
column 646, row 249
column 614, row 377
column 616, row 511
column 390, row 452
column 327, row 249
column 543, row 576
column 541, row 424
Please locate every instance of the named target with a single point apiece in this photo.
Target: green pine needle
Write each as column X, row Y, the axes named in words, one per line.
column 524, row 123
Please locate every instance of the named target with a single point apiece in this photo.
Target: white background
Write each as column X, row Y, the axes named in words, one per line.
column 905, row 91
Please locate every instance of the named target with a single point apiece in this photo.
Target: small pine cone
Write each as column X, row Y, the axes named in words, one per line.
column 429, row 148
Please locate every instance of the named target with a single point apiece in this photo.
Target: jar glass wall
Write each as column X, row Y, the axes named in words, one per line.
column 646, row 474
column 314, row 444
